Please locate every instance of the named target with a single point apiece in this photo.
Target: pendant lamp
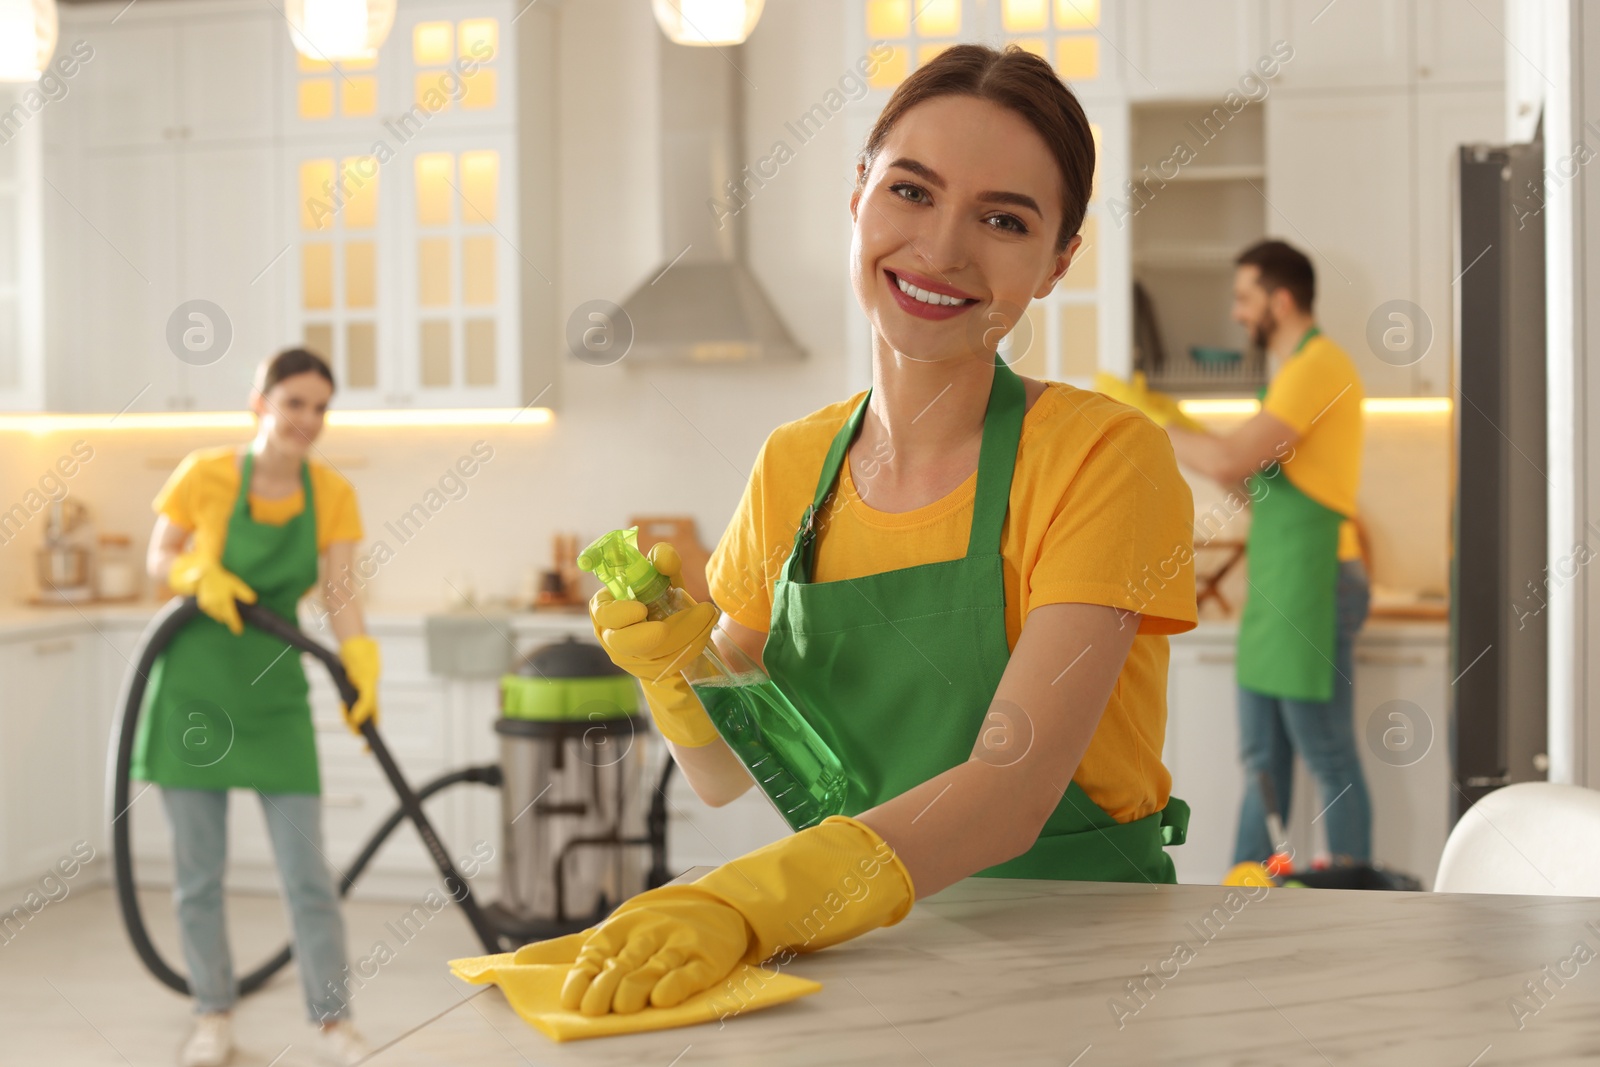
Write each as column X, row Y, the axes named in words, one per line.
column 707, row 22
column 27, row 38
column 335, row 30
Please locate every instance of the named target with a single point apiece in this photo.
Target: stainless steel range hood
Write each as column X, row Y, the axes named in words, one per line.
column 702, row 304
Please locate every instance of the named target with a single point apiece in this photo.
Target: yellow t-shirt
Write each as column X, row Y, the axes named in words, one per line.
column 200, row 494
column 1318, row 392
column 1098, row 514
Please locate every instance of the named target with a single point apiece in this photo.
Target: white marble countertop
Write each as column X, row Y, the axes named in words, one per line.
column 1021, row 973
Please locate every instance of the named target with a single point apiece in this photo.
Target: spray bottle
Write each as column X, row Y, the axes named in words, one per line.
column 793, row 767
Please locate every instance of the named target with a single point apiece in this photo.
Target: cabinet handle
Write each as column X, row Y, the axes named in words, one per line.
column 1381, row 659
column 50, row 648
column 1216, row 658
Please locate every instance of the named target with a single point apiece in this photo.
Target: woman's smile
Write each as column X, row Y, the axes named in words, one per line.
column 925, row 298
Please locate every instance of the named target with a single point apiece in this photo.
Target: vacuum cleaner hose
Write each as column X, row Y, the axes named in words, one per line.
column 172, row 618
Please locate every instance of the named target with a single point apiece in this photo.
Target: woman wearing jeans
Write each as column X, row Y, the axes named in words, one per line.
column 227, row 708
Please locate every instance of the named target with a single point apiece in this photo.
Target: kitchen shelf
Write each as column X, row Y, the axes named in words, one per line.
column 1186, row 235
column 1191, row 378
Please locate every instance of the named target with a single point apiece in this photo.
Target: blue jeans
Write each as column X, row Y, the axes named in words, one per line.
column 1272, row 730
column 199, row 821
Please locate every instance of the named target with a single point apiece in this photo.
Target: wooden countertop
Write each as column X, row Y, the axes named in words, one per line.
column 1088, row 974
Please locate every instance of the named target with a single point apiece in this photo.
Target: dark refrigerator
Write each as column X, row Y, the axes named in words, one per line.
column 1499, row 578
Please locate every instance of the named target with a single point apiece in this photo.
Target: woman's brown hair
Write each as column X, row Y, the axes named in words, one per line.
column 288, row 363
column 1021, row 82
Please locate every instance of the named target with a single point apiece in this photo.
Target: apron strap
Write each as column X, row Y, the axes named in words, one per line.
column 241, row 503
column 997, row 458
column 798, row 567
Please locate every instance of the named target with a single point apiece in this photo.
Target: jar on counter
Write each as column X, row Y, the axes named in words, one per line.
column 116, row 571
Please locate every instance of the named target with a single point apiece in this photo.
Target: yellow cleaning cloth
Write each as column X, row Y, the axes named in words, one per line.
column 531, row 980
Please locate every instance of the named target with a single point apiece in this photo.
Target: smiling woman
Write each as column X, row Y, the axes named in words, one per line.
column 227, row 709
column 980, row 645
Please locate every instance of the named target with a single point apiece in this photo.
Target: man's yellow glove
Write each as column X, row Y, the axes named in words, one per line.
column 656, row 652
column 830, row 883
column 214, row 588
column 1161, row 408
column 359, row 655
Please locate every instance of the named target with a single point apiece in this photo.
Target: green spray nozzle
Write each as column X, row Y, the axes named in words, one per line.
column 615, row 559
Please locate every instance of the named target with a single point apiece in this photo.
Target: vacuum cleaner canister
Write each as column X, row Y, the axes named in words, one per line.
column 576, row 792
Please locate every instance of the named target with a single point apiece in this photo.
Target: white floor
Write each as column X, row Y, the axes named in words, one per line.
column 74, row 992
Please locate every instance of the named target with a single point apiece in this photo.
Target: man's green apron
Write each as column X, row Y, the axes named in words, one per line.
column 226, row 712
column 896, row 671
column 1288, row 630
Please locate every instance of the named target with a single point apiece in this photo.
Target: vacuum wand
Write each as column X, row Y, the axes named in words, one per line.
column 267, row 622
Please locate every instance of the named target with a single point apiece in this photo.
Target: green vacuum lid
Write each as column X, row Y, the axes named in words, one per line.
column 580, row 699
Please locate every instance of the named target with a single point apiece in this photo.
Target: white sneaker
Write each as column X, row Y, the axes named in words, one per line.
column 211, row 1044
column 341, row 1045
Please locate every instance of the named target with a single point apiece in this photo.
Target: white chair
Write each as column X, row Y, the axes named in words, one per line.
column 1532, row 838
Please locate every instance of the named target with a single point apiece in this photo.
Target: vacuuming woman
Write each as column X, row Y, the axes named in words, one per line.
column 227, row 707
column 965, row 578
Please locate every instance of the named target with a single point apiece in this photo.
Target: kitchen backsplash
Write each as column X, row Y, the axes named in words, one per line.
column 429, row 528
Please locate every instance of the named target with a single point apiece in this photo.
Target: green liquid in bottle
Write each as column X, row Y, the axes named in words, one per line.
column 802, row 778
column 793, row 766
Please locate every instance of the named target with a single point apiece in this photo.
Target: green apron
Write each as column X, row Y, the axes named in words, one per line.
column 1288, row 630
column 896, row 671
column 226, row 712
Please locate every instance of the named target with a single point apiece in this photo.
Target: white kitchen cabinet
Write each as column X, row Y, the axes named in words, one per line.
column 127, row 95
column 407, row 276
column 1460, row 43
column 1354, row 219
column 152, row 229
column 164, row 80
column 1192, row 47
column 1445, row 119
column 45, row 732
column 1410, row 792
column 1345, row 44
column 457, row 333
column 230, row 245
column 1404, row 691
column 21, row 258
column 164, row 173
column 182, row 166
column 228, row 74
column 123, row 218
column 1202, row 750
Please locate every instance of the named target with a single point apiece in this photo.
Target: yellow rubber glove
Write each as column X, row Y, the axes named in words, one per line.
column 656, row 652
column 1161, row 408
column 213, row 587
column 830, row 883
column 359, row 654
